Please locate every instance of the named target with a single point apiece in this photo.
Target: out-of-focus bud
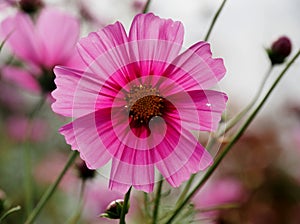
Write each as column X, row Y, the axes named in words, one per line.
column 31, row 6
column 114, row 209
column 84, row 172
column 279, row 50
column 2, row 201
column 138, row 5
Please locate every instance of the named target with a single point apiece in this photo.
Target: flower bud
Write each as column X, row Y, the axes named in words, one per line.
column 114, row 209
column 279, row 50
column 2, row 201
column 31, row 6
column 84, row 172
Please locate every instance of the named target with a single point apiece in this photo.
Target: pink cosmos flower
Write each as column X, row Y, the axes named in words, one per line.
column 42, row 44
column 137, row 101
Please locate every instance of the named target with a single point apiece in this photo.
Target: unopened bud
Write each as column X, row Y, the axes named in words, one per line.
column 114, row 209
column 2, row 201
column 84, row 172
column 279, row 50
column 31, row 6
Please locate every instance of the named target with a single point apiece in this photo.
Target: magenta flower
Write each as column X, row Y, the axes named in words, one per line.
column 138, row 100
column 42, row 44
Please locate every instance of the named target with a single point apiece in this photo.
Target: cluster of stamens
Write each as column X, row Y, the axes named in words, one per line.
column 143, row 103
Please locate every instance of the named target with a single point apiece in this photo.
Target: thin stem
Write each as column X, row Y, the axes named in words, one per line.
column 77, row 215
column 214, row 20
column 125, row 207
column 12, row 210
column 157, row 201
column 237, row 118
column 146, row 7
column 146, row 205
column 234, row 139
column 47, row 195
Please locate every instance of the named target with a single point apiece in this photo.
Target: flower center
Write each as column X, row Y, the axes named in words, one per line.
column 144, row 102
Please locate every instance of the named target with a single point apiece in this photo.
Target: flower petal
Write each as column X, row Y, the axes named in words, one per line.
column 185, row 157
column 20, row 77
column 82, row 135
column 123, row 175
column 195, row 68
column 59, row 33
column 151, row 27
column 157, row 40
column 78, row 91
column 22, row 37
column 207, row 105
column 102, row 41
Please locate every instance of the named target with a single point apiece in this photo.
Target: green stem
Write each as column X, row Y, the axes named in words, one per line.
column 146, row 8
column 234, row 139
column 125, row 207
column 12, row 210
column 77, row 215
column 146, row 205
column 214, row 20
column 157, row 201
column 237, row 118
column 47, row 195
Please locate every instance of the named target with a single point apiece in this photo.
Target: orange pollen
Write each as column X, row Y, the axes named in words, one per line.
column 144, row 102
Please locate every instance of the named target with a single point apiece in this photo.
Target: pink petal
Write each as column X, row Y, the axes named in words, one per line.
column 154, row 40
column 99, row 42
column 82, row 135
column 22, row 37
column 195, row 68
column 124, row 175
column 186, row 156
column 76, row 92
column 199, row 109
column 151, row 27
column 58, row 33
column 21, row 78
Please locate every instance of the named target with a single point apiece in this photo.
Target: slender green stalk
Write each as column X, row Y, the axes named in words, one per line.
column 214, row 20
column 12, row 210
column 146, row 7
column 146, row 205
column 47, row 195
column 234, row 139
column 77, row 215
column 125, row 207
column 157, row 201
column 28, row 188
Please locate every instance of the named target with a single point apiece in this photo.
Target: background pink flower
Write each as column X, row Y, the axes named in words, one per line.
column 138, row 100
column 41, row 44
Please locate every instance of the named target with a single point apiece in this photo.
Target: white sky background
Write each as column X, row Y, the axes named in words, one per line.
column 243, row 30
